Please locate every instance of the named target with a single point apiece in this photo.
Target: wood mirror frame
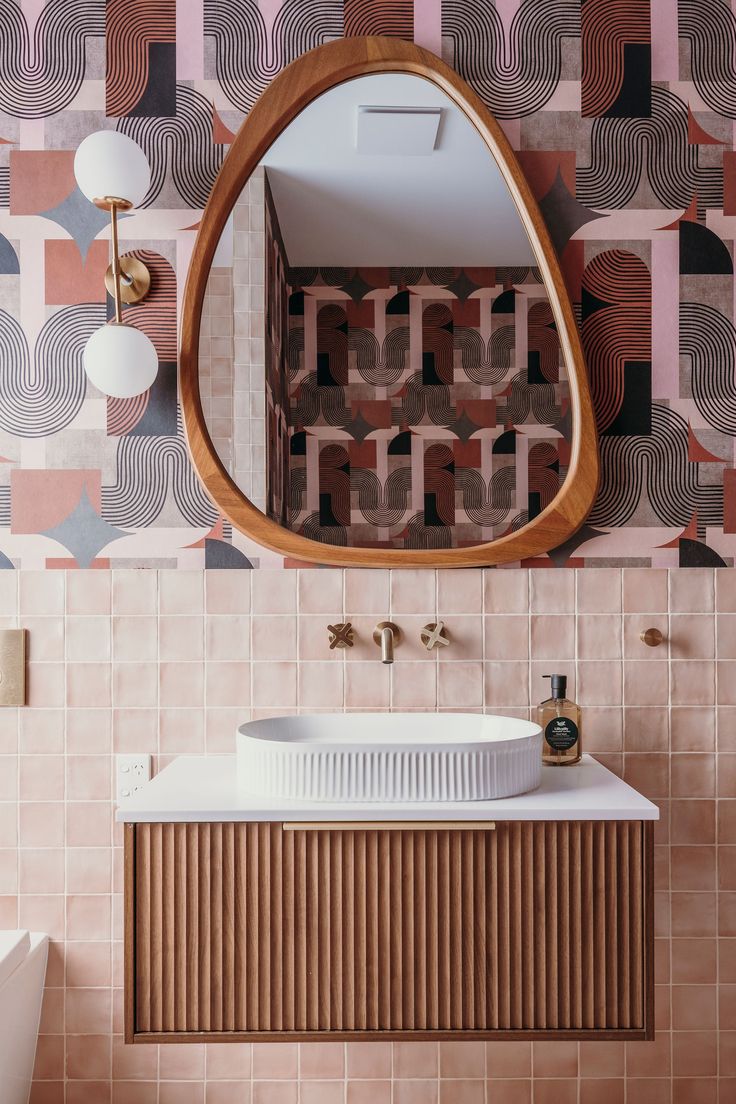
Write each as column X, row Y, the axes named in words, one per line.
column 288, row 94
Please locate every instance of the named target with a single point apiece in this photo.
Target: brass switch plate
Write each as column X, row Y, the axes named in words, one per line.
column 12, row 667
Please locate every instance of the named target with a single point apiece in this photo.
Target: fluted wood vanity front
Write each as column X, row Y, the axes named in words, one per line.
column 247, row 926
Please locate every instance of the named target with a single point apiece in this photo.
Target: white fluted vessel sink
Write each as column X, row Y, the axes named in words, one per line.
column 389, row 757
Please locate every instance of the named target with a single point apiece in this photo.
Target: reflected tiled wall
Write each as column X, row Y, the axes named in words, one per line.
column 170, row 661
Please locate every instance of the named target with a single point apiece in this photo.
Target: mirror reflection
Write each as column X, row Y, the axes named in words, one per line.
column 379, row 363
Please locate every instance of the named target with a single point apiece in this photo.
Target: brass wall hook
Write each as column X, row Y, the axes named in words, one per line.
column 341, row 635
column 435, row 634
column 651, row 637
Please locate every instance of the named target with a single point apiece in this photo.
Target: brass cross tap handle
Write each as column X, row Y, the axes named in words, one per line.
column 432, row 635
column 651, row 637
column 341, row 636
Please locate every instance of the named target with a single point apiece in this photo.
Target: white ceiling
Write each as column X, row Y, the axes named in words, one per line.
column 339, row 207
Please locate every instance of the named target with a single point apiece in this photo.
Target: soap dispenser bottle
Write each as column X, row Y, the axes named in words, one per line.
column 559, row 719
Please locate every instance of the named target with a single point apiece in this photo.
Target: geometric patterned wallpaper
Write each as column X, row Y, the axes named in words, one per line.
column 623, row 116
column 435, row 412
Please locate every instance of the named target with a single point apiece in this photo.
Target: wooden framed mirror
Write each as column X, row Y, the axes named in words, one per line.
column 380, row 364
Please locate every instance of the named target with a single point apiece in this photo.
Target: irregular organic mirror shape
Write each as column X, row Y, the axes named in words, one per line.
column 386, row 368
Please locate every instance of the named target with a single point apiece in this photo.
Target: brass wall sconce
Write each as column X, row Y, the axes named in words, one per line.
column 113, row 173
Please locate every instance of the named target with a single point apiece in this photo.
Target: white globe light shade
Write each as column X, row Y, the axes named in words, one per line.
column 120, row 361
column 109, row 163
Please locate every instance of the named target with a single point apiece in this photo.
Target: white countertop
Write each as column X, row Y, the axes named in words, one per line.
column 204, row 788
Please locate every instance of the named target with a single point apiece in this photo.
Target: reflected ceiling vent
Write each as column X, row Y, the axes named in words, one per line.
column 409, row 131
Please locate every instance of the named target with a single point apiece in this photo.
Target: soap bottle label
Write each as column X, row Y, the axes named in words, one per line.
column 561, row 733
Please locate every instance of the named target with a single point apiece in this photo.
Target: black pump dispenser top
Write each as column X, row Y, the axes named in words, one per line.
column 558, row 684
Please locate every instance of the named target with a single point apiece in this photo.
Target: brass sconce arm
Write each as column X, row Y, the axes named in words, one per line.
column 127, row 279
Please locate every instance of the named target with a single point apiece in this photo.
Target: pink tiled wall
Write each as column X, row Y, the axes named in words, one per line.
column 170, row 661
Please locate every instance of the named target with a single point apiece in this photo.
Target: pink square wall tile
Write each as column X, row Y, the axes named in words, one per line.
column 40, row 871
column 506, row 591
column 181, row 592
column 45, row 685
column 412, row 591
column 8, row 593
column 180, row 638
column 227, row 592
column 274, row 637
column 134, row 592
column 552, row 592
column 134, row 638
column 506, row 684
column 40, row 824
column 181, row 731
column 88, row 685
column 320, row 591
column 135, row 729
column 459, row 592
column 88, row 777
column 460, row 685
column 552, row 637
column 181, row 684
column 599, row 591
column 692, row 591
column 227, row 684
column 227, row 637
column 467, row 639
column 89, row 592
column 274, row 684
column 41, row 731
column 367, row 685
column 645, row 589
column 274, row 592
column 88, row 916
column 506, row 637
column 45, row 638
column 42, row 592
column 41, row 777
column 598, row 637
column 87, row 639
column 692, row 636
column 321, row 685
column 135, row 685
column 414, row 686
column 367, row 591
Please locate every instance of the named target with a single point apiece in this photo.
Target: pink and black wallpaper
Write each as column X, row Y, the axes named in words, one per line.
column 436, row 414
column 623, row 116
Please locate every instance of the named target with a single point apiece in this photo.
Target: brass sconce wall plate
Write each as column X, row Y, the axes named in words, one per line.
column 135, row 279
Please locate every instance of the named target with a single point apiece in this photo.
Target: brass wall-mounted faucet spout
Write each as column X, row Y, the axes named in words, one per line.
column 387, row 635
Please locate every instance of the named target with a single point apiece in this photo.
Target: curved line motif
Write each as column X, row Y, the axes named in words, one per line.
column 245, row 60
column 487, row 504
column 147, row 469
column 41, row 74
column 604, row 30
column 621, row 150
column 387, row 505
column 379, row 17
column 131, row 26
column 183, row 144
column 620, row 330
column 710, row 28
column 708, row 339
column 513, row 77
column 657, row 466
column 42, row 399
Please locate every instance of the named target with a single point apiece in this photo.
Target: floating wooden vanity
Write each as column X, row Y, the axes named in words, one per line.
column 533, row 919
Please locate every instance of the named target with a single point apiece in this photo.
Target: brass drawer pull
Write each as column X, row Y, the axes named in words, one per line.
column 387, row 825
